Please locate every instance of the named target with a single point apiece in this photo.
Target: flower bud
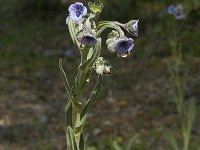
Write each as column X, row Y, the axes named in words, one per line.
column 102, row 66
column 132, row 27
column 107, row 70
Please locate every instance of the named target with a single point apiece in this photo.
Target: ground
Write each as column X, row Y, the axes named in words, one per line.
column 136, row 100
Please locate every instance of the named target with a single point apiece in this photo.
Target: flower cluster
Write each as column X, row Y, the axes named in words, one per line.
column 87, row 30
column 177, row 11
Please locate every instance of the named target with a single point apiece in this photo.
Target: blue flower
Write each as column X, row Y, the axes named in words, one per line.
column 179, row 14
column 87, row 40
column 171, row 9
column 123, row 46
column 77, row 11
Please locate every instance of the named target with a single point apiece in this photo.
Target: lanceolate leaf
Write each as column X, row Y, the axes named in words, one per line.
column 92, row 99
column 71, row 142
column 68, row 89
column 170, row 139
column 65, row 79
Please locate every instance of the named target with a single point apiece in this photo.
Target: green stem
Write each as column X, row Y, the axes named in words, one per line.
column 82, row 80
column 180, row 106
column 76, row 124
column 186, row 139
column 108, row 24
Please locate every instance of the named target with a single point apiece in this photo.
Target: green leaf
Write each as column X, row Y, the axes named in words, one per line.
column 90, row 53
column 170, row 139
column 77, row 80
column 93, row 97
column 68, row 89
column 82, row 143
column 84, row 53
column 95, row 7
column 63, row 74
column 68, row 115
column 191, row 115
column 79, row 127
column 116, row 146
column 71, row 142
column 130, row 142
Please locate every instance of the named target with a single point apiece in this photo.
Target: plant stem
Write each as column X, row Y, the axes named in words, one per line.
column 186, row 139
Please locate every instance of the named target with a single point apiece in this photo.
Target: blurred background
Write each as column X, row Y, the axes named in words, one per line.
column 136, row 100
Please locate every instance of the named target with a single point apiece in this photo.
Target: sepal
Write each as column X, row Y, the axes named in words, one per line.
column 95, row 7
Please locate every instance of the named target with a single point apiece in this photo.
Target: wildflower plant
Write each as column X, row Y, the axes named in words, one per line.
column 86, row 33
column 186, row 112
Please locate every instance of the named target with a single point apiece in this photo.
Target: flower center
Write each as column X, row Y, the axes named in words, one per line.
column 87, row 40
column 79, row 10
column 123, row 46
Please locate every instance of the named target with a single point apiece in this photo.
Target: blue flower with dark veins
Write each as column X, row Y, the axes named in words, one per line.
column 123, row 46
column 171, row 9
column 87, row 40
column 77, row 11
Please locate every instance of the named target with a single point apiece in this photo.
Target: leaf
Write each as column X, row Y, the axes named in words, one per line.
column 82, row 143
column 65, row 79
column 95, row 7
column 79, row 127
column 130, row 142
column 116, row 146
column 191, row 115
column 84, row 53
column 68, row 114
column 63, row 74
column 71, row 142
column 170, row 139
column 77, row 80
column 93, row 97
